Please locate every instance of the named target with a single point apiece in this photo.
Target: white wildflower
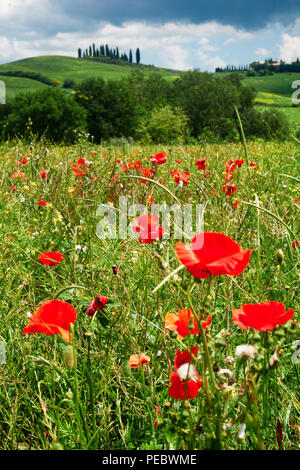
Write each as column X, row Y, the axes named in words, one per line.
column 245, row 350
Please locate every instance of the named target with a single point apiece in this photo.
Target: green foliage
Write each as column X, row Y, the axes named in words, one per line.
column 268, row 124
column 52, row 113
column 208, row 102
column 69, row 83
column 164, row 125
column 111, row 108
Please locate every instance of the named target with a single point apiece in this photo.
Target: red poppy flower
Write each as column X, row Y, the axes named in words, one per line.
column 24, row 160
column 159, row 158
column 51, row 318
column 82, row 161
column 147, row 226
column 212, row 254
column 138, row 360
column 180, row 323
column 181, row 178
column 78, row 171
column 229, row 189
column 19, row 174
column 50, row 258
column 239, row 163
column 263, row 317
column 41, row 203
column 201, row 164
column 185, row 381
column 97, row 304
column 295, row 244
column 131, row 165
column 150, row 237
column 145, row 223
column 147, row 173
column 43, row 174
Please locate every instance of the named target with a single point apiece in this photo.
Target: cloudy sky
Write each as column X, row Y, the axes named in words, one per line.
column 180, row 34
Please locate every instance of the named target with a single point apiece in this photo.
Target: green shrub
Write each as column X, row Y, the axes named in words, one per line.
column 52, row 112
column 268, row 124
column 69, row 83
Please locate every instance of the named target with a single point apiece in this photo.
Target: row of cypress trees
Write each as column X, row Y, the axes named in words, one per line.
column 106, row 51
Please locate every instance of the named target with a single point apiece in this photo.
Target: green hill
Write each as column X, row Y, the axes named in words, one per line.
column 60, row 68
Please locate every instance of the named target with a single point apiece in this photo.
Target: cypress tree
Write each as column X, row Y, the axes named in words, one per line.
column 138, row 56
column 79, row 53
column 130, row 56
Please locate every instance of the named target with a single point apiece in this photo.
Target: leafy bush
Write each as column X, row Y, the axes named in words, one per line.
column 52, row 113
column 164, row 125
column 268, row 124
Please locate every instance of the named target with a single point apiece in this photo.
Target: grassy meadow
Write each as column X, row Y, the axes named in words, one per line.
column 85, row 393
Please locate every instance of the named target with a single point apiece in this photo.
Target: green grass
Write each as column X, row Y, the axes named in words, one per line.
column 16, row 85
column 101, row 403
column 279, row 84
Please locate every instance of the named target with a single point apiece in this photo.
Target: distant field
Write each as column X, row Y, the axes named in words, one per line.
column 280, row 84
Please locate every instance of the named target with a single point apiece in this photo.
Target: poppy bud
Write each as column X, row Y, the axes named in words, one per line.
column 68, row 357
column 173, row 334
column 26, row 349
column 208, row 300
column 279, row 256
column 126, row 369
column 57, row 446
column 97, row 304
column 191, row 325
column 115, row 269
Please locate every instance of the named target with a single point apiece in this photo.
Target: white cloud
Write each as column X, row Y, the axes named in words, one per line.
column 263, row 52
column 173, row 45
column 289, row 48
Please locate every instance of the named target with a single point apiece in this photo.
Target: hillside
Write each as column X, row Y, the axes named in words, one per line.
column 61, row 67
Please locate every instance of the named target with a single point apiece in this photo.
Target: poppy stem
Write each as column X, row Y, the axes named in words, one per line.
column 73, row 286
column 243, row 139
column 205, row 345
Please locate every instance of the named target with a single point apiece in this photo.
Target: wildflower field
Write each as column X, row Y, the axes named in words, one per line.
column 152, row 341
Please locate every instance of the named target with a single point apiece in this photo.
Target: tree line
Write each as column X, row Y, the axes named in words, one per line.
column 269, row 66
column 105, row 51
column 144, row 107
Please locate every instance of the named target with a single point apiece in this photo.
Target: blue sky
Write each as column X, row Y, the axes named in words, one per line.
column 177, row 34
